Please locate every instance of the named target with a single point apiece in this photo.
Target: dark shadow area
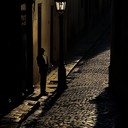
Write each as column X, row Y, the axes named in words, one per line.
column 105, row 110
column 100, row 45
column 8, row 106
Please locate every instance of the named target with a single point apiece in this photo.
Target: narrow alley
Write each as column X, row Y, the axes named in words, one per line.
column 86, row 74
column 85, row 103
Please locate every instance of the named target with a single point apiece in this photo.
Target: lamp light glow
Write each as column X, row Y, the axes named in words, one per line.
column 61, row 6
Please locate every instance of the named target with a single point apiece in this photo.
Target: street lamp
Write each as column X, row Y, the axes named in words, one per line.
column 61, row 6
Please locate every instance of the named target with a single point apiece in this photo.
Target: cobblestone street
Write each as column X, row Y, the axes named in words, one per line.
column 85, row 103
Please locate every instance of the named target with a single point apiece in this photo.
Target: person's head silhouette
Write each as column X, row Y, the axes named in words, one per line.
column 42, row 51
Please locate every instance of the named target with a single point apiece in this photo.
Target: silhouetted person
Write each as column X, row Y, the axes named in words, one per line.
column 43, row 67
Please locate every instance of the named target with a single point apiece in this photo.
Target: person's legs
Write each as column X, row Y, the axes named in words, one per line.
column 43, row 84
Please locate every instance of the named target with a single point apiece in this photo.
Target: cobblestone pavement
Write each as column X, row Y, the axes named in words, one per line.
column 85, row 103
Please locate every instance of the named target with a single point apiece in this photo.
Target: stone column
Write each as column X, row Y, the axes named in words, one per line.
column 118, row 73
